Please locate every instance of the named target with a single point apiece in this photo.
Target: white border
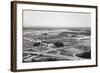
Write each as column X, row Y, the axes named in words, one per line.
column 21, row 65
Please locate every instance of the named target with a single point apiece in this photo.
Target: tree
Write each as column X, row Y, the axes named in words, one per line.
column 52, row 59
column 85, row 55
column 73, row 35
column 37, row 44
column 58, row 44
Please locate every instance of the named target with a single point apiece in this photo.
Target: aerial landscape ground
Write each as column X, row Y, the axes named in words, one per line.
column 56, row 44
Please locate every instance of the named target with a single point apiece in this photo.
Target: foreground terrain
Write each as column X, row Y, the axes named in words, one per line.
column 56, row 44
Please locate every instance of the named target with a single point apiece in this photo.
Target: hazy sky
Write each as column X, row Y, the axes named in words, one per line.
column 56, row 19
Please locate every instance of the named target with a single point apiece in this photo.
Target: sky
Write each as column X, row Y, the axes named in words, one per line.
column 55, row 19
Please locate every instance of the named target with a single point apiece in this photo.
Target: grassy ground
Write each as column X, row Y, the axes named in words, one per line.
column 52, row 53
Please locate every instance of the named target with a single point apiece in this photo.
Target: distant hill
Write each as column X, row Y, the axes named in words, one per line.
column 54, row 28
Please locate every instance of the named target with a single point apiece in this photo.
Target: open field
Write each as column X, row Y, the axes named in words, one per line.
column 55, row 44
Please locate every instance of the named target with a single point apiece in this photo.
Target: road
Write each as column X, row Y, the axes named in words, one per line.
column 45, row 53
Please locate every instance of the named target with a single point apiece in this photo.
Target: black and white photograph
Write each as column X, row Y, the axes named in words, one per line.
column 56, row 35
column 53, row 36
